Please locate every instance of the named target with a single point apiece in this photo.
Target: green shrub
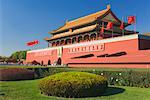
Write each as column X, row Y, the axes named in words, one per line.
column 14, row 74
column 129, row 78
column 126, row 77
column 73, row 84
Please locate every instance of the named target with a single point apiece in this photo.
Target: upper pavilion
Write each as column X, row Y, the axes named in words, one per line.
column 88, row 28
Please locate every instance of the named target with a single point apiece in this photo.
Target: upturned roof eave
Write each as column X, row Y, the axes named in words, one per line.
column 53, row 32
column 57, row 30
column 76, row 33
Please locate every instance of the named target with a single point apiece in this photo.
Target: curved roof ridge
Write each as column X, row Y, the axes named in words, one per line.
column 81, row 20
column 105, row 10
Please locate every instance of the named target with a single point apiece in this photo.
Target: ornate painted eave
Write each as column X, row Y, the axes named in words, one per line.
column 70, row 33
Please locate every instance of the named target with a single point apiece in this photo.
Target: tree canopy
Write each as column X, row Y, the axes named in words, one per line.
column 19, row 55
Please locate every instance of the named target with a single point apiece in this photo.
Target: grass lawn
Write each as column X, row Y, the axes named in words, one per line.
column 28, row 90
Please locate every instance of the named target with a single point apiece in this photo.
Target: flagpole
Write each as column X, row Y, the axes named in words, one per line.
column 135, row 24
column 103, row 29
column 123, row 26
column 112, row 33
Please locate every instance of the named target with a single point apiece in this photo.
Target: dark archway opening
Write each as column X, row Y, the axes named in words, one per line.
column 42, row 63
column 59, row 61
column 49, row 62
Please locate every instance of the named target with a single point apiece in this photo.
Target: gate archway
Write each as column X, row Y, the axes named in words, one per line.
column 59, row 61
column 42, row 63
column 49, row 62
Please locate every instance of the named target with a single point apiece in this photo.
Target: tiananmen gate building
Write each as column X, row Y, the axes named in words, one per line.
column 87, row 42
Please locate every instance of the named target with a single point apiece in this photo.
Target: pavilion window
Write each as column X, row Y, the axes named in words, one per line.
column 86, row 37
column 62, row 42
column 53, row 44
column 74, row 40
column 57, row 43
column 80, row 39
column 68, row 41
column 100, row 35
column 93, row 36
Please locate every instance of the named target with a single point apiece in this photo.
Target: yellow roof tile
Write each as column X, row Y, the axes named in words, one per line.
column 75, row 32
column 81, row 21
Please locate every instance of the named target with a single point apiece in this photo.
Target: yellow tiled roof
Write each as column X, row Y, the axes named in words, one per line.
column 82, row 20
column 75, row 32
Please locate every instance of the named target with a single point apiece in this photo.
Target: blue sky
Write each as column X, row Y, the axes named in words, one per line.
column 26, row 20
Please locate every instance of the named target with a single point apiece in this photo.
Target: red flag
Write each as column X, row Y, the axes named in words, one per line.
column 36, row 42
column 33, row 43
column 131, row 19
column 102, row 29
column 122, row 25
column 109, row 25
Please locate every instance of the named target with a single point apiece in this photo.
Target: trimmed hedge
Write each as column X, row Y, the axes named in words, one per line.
column 73, row 84
column 126, row 77
column 14, row 74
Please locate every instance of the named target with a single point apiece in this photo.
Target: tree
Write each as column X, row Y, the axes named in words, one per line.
column 22, row 55
column 15, row 55
column 19, row 55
